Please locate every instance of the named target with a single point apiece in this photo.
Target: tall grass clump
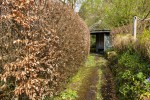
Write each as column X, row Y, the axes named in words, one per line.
column 42, row 43
column 121, row 42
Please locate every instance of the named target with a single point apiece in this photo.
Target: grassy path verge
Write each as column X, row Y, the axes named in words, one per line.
column 88, row 89
column 92, row 82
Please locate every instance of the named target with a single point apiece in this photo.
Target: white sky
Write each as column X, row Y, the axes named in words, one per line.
column 78, row 6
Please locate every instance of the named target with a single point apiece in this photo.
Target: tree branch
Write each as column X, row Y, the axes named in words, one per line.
column 146, row 15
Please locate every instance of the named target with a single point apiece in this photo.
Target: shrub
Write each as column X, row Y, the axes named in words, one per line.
column 131, row 74
column 42, row 44
column 131, row 65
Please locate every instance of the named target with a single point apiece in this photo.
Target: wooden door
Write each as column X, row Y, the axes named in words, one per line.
column 99, row 42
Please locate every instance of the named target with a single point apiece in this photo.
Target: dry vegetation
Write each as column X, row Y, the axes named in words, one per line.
column 42, row 43
column 122, row 41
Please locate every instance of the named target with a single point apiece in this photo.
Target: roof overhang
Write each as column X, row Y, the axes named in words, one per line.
column 99, row 31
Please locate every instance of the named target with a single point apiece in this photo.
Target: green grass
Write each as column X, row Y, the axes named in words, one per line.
column 101, row 62
column 76, row 81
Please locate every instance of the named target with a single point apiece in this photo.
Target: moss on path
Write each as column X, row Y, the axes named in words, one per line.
column 88, row 89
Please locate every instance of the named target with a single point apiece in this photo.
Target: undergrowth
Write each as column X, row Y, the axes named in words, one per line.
column 131, row 68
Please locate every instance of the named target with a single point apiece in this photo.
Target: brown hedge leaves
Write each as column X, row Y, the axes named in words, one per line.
column 42, row 43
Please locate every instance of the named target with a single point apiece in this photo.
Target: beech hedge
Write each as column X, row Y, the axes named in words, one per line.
column 42, row 43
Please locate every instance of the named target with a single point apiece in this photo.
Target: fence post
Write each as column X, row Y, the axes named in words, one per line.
column 135, row 28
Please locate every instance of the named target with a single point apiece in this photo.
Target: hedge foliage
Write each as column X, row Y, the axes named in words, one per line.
column 42, row 43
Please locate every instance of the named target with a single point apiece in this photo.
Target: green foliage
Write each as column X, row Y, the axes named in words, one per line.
column 113, row 13
column 130, row 60
column 144, row 44
column 131, row 74
column 132, row 67
column 69, row 95
column 145, row 36
column 93, row 41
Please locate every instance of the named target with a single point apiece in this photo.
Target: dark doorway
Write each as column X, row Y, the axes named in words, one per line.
column 100, row 41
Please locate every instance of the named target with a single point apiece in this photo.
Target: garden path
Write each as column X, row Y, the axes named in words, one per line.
column 99, row 84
